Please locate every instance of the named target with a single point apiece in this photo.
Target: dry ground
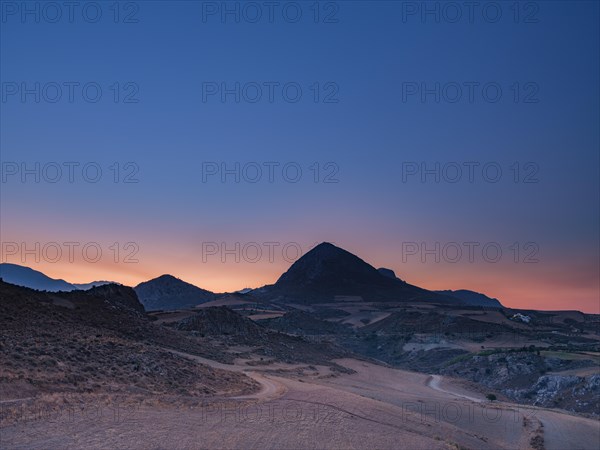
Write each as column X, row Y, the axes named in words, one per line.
column 305, row 407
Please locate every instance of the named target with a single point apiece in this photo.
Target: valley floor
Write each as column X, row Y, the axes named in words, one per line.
column 375, row 408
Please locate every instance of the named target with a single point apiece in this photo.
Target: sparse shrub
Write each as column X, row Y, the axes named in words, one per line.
column 491, row 397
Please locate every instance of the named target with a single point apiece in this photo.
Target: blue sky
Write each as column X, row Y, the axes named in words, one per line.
column 368, row 57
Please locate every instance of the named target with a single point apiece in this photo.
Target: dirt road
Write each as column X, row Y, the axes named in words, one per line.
column 435, row 381
column 374, row 408
column 561, row 430
column 270, row 388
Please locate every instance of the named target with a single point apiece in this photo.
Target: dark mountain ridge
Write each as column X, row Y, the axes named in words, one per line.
column 168, row 293
column 328, row 271
column 473, row 298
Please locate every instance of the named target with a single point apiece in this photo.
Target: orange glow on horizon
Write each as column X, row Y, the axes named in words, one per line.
column 228, row 277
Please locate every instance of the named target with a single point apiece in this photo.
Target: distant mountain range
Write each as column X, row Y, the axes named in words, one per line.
column 243, row 291
column 167, row 293
column 33, row 279
column 324, row 273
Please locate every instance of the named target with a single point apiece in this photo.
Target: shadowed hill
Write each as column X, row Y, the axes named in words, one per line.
column 220, row 320
column 328, row 271
column 168, row 293
column 302, row 323
column 472, row 298
column 98, row 341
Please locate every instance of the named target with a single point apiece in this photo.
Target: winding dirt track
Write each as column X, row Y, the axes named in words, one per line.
column 375, row 408
column 270, row 389
column 561, row 430
column 434, row 382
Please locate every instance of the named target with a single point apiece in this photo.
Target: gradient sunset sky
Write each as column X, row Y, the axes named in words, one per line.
column 368, row 57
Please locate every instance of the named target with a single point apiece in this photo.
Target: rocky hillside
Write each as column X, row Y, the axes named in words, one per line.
column 98, row 341
column 232, row 329
column 533, row 378
column 219, row 321
column 301, row 323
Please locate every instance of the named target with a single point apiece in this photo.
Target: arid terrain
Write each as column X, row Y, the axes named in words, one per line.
column 94, row 369
column 300, row 407
column 300, row 225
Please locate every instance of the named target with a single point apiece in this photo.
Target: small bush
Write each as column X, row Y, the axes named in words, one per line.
column 491, row 397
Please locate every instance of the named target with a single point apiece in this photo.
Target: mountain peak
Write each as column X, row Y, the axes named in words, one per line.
column 327, row 263
column 165, row 276
column 168, row 292
column 326, row 250
column 328, row 272
column 325, row 245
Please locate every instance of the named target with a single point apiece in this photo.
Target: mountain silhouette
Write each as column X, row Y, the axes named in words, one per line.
column 33, row 279
column 86, row 286
column 328, row 271
column 473, row 298
column 168, row 293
